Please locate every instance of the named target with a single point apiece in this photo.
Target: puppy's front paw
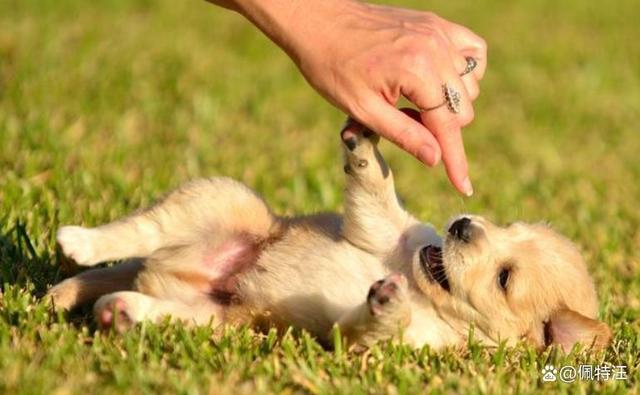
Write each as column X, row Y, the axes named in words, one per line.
column 77, row 243
column 356, row 136
column 361, row 154
column 388, row 295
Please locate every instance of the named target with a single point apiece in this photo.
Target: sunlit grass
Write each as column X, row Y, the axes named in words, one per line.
column 105, row 105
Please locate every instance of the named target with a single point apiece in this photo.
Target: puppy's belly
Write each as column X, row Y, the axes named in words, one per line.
column 310, row 285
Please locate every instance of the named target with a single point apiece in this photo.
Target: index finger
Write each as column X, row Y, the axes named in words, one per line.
column 444, row 125
column 402, row 129
column 449, row 135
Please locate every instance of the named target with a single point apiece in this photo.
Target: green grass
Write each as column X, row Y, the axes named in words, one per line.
column 105, row 105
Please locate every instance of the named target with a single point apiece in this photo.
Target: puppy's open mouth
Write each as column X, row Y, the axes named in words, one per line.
column 432, row 265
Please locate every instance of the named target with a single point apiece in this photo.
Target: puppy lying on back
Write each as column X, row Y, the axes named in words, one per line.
column 212, row 252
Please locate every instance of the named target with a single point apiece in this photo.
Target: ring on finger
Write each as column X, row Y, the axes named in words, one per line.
column 452, row 100
column 471, row 65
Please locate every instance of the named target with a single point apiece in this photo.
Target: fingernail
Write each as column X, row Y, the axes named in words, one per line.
column 467, row 188
column 427, row 155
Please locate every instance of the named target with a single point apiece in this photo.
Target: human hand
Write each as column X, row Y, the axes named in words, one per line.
column 365, row 57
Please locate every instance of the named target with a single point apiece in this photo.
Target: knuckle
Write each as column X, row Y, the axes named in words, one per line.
column 358, row 108
column 431, row 19
column 482, row 45
column 404, row 139
column 414, row 58
column 399, row 137
column 450, row 123
column 466, row 117
column 435, row 41
column 473, row 91
column 459, row 63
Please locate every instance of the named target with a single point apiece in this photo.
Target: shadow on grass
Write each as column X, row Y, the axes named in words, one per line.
column 21, row 266
column 19, row 261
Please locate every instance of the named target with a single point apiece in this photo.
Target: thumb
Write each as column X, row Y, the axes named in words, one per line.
column 402, row 130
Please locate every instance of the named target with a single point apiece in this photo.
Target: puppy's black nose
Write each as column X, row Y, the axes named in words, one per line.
column 461, row 229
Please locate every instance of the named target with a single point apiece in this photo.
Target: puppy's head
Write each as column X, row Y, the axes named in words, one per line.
column 517, row 282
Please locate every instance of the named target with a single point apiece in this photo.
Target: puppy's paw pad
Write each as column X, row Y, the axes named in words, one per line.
column 349, row 139
column 386, row 293
column 77, row 243
column 113, row 315
column 354, row 135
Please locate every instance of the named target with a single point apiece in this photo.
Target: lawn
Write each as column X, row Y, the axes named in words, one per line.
column 105, row 105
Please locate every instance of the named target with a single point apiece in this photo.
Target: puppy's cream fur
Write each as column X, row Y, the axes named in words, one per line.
column 212, row 252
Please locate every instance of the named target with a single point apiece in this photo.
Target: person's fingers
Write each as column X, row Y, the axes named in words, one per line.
column 413, row 113
column 458, row 60
column 449, row 136
column 444, row 124
column 402, row 130
column 452, row 78
column 468, row 43
column 429, row 91
column 481, row 65
column 430, row 95
column 471, row 86
column 468, row 79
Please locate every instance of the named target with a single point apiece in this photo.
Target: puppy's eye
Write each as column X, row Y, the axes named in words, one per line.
column 503, row 277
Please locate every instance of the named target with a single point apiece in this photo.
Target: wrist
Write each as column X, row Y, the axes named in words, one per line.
column 292, row 24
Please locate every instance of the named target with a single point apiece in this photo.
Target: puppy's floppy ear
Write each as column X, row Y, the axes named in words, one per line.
column 566, row 328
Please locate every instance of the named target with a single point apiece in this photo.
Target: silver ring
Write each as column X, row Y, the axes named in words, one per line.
column 451, row 99
column 471, row 64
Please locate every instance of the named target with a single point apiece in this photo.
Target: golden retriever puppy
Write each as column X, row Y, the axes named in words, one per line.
column 212, row 252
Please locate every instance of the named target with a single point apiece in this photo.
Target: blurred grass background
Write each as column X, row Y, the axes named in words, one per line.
column 105, row 105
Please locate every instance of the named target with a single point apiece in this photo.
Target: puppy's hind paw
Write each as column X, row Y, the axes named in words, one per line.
column 64, row 295
column 388, row 295
column 77, row 243
column 113, row 314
